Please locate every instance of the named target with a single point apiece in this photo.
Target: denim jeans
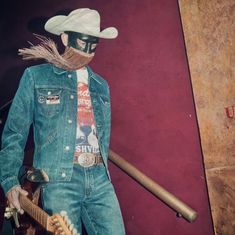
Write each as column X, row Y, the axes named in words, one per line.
column 89, row 197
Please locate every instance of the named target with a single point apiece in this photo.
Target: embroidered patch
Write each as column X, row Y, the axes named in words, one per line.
column 53, row 99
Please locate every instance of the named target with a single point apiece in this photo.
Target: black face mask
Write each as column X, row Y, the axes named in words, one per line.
column 90, row 41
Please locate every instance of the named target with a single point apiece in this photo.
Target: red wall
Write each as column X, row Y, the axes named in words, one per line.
column 154, row 123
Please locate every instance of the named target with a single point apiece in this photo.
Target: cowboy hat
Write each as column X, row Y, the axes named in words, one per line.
column 83, row 20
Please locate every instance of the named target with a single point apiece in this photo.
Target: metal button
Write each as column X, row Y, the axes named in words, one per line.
column 41, row 99
column 70, row 121
column 67, row 148
column 63, row 174
column 69, row 75
column 71, row 96
column 49, row 92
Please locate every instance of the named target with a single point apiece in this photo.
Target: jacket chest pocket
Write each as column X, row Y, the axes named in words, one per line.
column 49, row 101
column 105, row 103
column 105, row 106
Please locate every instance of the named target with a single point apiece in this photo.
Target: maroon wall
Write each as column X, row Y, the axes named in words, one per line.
column 154, row 123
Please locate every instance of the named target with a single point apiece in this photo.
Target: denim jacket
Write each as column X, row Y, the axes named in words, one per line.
column 54, row 125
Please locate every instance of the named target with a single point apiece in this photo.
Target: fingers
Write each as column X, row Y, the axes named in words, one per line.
column 19, row 210
column 13, row 198
column 22, row 191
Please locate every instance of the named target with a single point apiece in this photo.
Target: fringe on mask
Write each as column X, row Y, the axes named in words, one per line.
column 47, row 50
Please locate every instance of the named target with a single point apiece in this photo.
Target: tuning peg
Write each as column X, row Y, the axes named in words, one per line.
column 9, row 212
column 65, row 217
column 60, row 229
column 68, row 222
column 9, row 209
column 60, row 233
column 54, row 219
column 7, row 215
column 57, row 224
column 63, row 213
column 75, row 232
column 71, row 226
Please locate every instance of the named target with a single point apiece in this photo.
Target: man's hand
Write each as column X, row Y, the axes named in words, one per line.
column 13, row 198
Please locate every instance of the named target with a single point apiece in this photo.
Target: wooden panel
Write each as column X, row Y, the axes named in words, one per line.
column 209, row 36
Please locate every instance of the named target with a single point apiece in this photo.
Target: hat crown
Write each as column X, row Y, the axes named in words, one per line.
column 83, row 20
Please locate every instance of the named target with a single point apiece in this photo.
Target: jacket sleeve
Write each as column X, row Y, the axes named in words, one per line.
column 16, row 131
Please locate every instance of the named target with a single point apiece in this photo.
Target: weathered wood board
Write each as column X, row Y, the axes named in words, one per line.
column 209, row 30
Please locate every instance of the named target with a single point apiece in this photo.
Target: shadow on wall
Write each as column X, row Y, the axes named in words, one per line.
column 36, row 25
column 9, row 81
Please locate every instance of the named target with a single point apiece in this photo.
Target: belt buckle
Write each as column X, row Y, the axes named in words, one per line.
column 86, row 159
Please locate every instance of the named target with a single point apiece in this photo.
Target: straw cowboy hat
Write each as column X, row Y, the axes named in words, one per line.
column 83, row 20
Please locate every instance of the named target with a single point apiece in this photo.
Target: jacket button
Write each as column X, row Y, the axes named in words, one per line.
column 72, row 97
column 70, row 121
column 67, row 148
column 41, row 99
column 69, row 75
column 63, row 174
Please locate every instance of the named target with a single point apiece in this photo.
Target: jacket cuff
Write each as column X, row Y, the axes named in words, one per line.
column 9, row 183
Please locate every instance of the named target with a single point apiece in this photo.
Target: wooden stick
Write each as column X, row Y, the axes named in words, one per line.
column 180, row 207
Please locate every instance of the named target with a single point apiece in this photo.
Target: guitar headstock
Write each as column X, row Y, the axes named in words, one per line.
column 59, row 224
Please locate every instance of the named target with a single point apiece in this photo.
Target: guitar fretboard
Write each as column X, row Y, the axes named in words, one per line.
column 34, row 211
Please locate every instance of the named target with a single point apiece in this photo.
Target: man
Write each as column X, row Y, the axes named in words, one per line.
column 69, row 107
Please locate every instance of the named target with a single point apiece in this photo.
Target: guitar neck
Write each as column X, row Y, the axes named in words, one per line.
column 34, row 211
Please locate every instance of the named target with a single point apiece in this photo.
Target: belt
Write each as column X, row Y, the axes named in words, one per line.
column 89, row 159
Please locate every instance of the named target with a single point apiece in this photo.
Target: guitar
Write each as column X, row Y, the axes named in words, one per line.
column 57, row 224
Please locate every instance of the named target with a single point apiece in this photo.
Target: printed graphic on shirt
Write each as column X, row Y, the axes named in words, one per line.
column 86, row 138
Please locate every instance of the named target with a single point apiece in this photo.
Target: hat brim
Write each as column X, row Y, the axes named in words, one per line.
column 57, row 25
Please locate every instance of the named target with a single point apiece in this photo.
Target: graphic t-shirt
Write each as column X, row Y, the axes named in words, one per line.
column 86, row 138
